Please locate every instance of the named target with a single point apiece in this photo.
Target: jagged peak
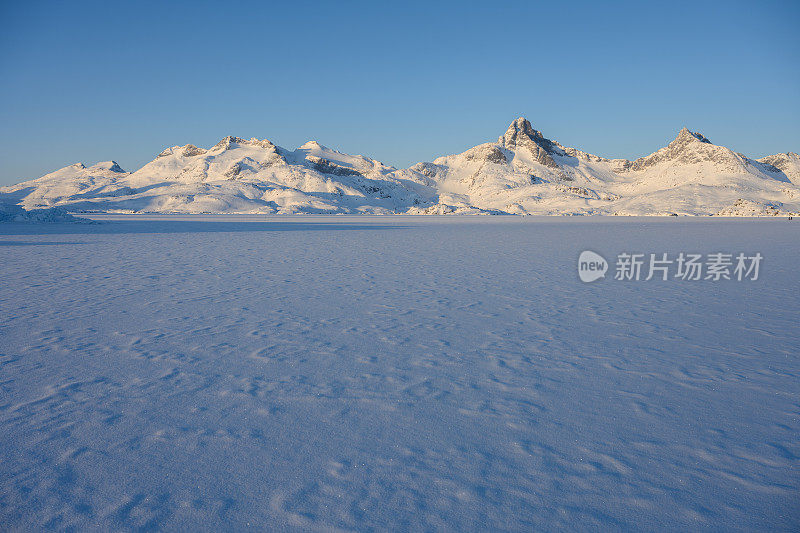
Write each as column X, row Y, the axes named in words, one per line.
column 521, row 134
column 191, row 150
column 686, row 135
column 263, row 143
column 520, row 128
column 113, row 166
column 187, row 150
column 228, row 142
column 688, row 147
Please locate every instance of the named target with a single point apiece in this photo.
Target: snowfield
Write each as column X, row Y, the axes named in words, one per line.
column 394, row 372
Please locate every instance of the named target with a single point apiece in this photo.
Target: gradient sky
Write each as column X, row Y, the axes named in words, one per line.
column 401, row 82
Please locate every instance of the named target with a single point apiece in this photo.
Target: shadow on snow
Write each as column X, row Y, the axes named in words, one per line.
column 178, row 226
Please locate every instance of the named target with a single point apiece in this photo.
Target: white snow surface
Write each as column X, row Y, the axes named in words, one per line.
column 397, row 372
column 522, row 173
column 15, row 213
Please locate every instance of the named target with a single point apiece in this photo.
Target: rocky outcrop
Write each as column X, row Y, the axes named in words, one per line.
column 520, row 134
column 687, row 148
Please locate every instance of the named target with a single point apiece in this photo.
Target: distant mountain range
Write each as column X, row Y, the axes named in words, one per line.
column 522, row 173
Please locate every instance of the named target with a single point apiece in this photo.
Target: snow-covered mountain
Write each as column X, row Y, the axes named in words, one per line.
column 233, row 176
column 522, row 173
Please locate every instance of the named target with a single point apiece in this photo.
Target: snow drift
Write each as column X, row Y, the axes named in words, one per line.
column 15, row 213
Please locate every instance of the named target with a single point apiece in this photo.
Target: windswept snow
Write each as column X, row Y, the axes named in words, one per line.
column 15, row 213
column 394, row 373
column 522, row 173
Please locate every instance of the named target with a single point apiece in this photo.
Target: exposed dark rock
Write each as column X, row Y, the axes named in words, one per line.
column 521, row 134
column 328, row 167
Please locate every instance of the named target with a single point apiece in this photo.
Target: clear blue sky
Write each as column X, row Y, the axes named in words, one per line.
column 401, row 82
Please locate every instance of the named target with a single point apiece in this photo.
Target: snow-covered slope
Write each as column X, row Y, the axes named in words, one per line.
column 522, row 173
column 233, row 176
column 788, row 164
column 69, row 185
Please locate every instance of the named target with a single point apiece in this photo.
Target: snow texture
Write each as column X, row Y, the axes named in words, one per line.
column 522, row 173
column 15, row 213
column 402, row 373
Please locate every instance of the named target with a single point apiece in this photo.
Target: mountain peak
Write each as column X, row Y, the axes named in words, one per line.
column 113, row 166
column 231, row 141
column 227, row 143
column 689, row 147
column 519, row 129
column 521, row 134
column 313, row 145
column 685, row 135
column 523, row 172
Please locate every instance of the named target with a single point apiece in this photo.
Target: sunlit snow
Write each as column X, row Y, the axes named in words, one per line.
column 402, row 373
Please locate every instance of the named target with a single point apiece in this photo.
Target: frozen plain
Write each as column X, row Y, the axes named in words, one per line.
column 410, row 373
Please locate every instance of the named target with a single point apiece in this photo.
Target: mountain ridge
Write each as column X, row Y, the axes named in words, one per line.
column 523, row 172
